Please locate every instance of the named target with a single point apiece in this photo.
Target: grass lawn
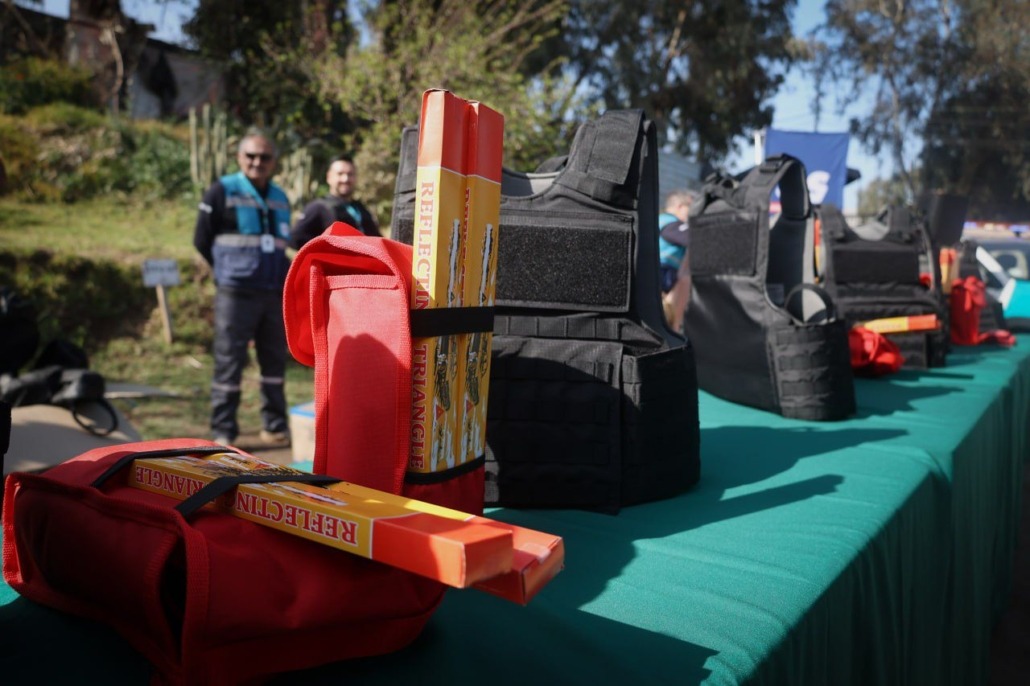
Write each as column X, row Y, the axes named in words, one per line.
column 126, row 233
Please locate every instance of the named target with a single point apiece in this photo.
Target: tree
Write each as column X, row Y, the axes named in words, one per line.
column 252, row 38
column 475, row 49
column 953, row 74
column 881, row 193
column 977, row 138
column 702, row 69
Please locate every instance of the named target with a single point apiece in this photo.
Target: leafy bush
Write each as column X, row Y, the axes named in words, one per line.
column 71, row 153
column 18, row 152
column 32, row 81
column 88, row 301
column 159, row 161
column 64, row 118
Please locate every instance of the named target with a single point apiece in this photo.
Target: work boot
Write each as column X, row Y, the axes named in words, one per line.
column 275, row 438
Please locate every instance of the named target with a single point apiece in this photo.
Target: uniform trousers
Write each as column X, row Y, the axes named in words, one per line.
column 241, row 316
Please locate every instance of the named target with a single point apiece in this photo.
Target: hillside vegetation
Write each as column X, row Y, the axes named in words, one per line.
column 88, row 199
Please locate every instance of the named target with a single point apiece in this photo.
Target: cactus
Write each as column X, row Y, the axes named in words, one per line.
column 209, row 150
column 294, row 176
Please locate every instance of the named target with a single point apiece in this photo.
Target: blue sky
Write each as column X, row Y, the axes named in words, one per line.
column 793, row 110
column 792, row 104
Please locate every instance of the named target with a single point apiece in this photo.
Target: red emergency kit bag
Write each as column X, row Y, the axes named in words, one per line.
column 206, row 597
column 209, row 598
column 968, row 300
column 347, row 306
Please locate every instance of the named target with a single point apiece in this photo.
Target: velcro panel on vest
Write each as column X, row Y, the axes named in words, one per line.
column 723, row 243
column 562, row 261
column 565, row 261
column 869, row 262
column 813, row 371
column 554, row 426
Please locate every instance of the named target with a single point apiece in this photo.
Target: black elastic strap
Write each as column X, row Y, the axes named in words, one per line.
column 224, row 484
column 77, row 415
column 448, row 321
column 129, row 458
column 425, row 478
column 831, row 310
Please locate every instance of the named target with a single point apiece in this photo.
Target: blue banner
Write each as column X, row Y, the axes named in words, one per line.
column 825, row 156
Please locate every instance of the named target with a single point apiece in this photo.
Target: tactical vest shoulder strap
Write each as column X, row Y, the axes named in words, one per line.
column 753, row 191
column 779, row 170
column 605, row 171
column 408, row 166
column 832, row 223
column 718, row 186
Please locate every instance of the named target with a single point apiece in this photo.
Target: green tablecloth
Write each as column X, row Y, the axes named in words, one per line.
column 872, row 551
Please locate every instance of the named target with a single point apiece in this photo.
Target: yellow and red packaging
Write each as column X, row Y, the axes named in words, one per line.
column 949, row 269
column 440, row 207
column 453, row 547
column 484, row 147
column 919, row 322
column 537, row 556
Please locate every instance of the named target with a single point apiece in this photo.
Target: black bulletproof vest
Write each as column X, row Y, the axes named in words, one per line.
column 763, row 333
column 873, row 271
column 593, row 399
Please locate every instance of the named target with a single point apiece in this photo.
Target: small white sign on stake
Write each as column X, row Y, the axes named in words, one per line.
column 158, row 274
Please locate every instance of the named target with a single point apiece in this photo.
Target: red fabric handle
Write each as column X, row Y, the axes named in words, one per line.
column 346, row 307
column 967, row 299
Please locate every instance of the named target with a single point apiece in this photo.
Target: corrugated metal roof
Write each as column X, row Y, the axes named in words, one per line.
column 675, row 172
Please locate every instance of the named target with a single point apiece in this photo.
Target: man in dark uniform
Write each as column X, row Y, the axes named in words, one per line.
column 242, row 231
column 339, row 205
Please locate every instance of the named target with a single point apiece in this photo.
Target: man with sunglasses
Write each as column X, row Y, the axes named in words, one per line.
column 242, row 230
